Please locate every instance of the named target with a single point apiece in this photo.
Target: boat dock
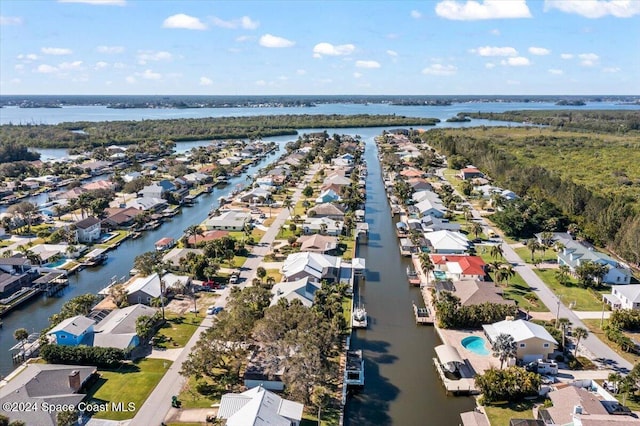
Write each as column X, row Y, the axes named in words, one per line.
column 459, row 386
column 423, row 315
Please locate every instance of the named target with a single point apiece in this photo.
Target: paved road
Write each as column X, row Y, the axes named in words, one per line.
column 603, row 355
column 155, row 409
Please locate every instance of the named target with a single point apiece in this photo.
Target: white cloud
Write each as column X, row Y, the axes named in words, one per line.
column 415, row 14
column 488, row 9
column 27, row 57
column 119, row 65
column 245, row 23
column 130, row 79
column 101, row 65
column 611, row 69
column 518, row 61
column 357, row 74
column 67, row 66
column 10, row 20
column 18, row 67
column 46, row 69
column 145, row 56
column 97, row 2
column 555, row 71
column 243, row 38
column 248, row 24
column 205, row 81
column 392, row 53
column 495, row 51
column 489, row 65
column 301, row 72
column 183, row 21
column 329, row 49
column 269, row 40
column 566, row 55
column 56, row 51
column 439, row 69
column 540, row 51
column 595, row 8
column 368, row 64
column 110, row 49
column 495, row 32
column 149, row 75
column 261, row 83
column 588, row 59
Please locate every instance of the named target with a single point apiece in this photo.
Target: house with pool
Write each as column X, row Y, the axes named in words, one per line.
column 533, row 341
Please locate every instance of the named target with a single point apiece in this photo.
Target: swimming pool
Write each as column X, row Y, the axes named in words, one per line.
column 440, row 275
column 475, row 344
column 58, row 263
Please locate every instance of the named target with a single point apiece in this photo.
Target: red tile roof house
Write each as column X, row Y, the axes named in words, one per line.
column 459, row 267
column 207, row 236
column 470, row 173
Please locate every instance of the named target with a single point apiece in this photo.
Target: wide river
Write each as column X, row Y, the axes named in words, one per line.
column 401, row 385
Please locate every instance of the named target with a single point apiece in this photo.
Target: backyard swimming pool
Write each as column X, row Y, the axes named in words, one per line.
column 58, row 263
column 475, row 344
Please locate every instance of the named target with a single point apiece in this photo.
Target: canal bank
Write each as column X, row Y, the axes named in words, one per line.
column 34, row 315
column 402, row 386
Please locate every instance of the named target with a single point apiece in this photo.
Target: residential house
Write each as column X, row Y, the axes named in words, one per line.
column 328, row 196
column 318, row 243
column 328, row 210
column 343, row 160
column 121, row 218
column 322, row 225
column 255, row 196
column 303, row 290
column 623, row 296
column 259, row 406
column 432, row 224
column 207, row 236
column 362, row 232
column 336, row 179
column 316, row 266
column 569, row 401
column 473, row 292
column 533, row 341
column 144, row 289
column 151, row 204
column 73, row 331
column 106, row 185
column 197, row 178
column 412, row 172
column 88, row 230
column 459, row 267
column 152, row 191
column 176, row 282
column 447, row 242
column 118, row 328
column 232, row 220
column 37, row 384
column 15, row 273
column 259, row 372
column 131, row 176
column 419, row 184
column 470, row 172
column 575, row 253
column 175, row 255
column 428, row 203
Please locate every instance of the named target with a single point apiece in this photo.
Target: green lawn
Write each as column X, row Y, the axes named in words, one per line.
column 499, row 415
column 582, row 298
column 329, row 417
column 275, row 273
column 131, row 383
column 517, row 289
column 525, row 254
column 346, row 310
column 178, row 330
column 201, row 393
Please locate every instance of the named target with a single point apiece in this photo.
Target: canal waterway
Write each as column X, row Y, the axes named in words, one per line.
column 34, row 314
column 401, row 383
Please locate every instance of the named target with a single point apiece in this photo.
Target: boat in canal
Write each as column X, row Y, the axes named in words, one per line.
column 354, row 370
column 359, row 318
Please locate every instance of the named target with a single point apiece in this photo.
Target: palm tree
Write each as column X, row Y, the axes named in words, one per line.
column 500, row 275
column 532, row 245
column 21, row 335
column 508, row 272
column 562, row 274
column 193, row 231
column 504, row 347
column 579, row 333
column 476, row 228
column 496, row 251
column 426, row 264
column 288, row 204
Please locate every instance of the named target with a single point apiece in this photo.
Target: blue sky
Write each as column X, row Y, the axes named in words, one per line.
column 240, row 47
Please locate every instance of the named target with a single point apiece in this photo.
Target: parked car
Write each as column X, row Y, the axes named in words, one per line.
column 233, row 279
column 211, row 284
column 543, row 367
column 214, row 310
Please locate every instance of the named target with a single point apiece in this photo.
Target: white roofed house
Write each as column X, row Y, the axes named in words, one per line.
column 232, row 220
column 533, row 341
column 447, row 242
column 624, row 296
column 332, row 211
column 323, row 225
column 316, row 266
column 255, row 196
column 303, row 290
column 259, row 406
column 575, row 253
column 147, row 204
column 144, row 289
column 118, row 329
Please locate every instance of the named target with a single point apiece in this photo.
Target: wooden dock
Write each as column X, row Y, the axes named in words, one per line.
column 423, row 315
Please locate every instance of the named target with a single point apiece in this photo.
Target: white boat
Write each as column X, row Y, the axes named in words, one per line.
column 359, row 318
